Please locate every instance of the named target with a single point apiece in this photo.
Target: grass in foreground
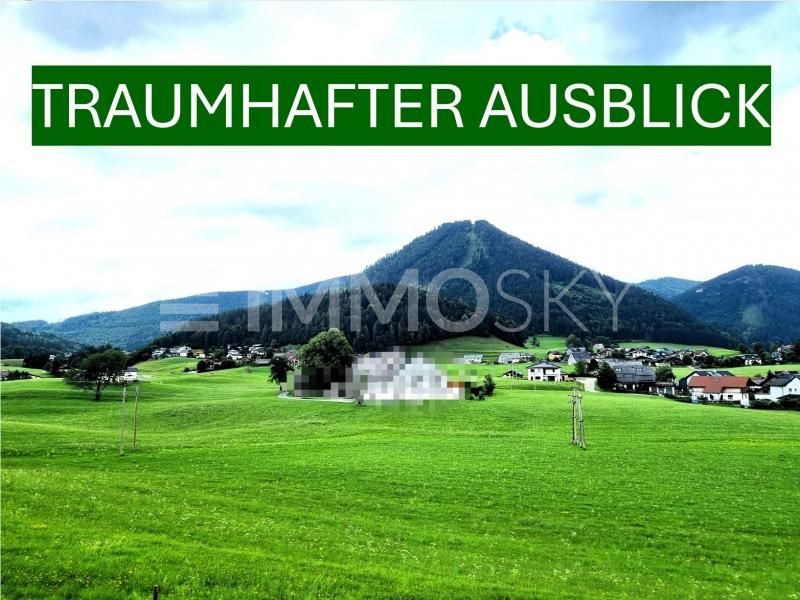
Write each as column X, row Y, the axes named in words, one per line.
column 234, row 493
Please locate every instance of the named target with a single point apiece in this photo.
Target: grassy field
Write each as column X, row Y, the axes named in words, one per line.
column 15, row 364
column 167, row 366
column 490, row 347
column 711, row 349
column 235, row 493
column 750, row 371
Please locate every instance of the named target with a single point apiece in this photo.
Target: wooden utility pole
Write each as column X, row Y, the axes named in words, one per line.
column 135, row 414
column 578, row 433
column 122, row 420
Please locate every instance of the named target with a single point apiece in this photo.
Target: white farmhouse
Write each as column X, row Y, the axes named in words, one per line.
column 507, row 358
column 545, row 371
column 776, row 387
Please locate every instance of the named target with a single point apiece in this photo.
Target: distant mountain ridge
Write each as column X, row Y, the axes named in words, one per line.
column 486, row 251
column 132, row 328
column 668, row 287
column 759, row 303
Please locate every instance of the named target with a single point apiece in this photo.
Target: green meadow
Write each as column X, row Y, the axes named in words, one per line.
column 711, row 349
column 751, row 371
column 174, row 365
column 15, row 364
column 233, row 492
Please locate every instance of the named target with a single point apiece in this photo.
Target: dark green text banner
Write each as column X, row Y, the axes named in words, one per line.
column 401, row 105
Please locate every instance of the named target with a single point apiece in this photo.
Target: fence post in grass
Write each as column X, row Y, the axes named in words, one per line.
column 156, row 591
column 578, row 434
column 581, row 436
column 122, row 420
column 572, row 404
column 135, row 414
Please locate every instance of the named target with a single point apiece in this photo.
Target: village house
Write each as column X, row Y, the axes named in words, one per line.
column 638, row 353
column 235, row 355
column 751, row 359
column 663, row 388
column 130, row 374
column 507, row 358
column 683, row 382
column 512, row 374
column 545, row 371
column 256, row 352
column 604, row 353
column 4, row 374
column 473, row 358
column 712, row 388
column 576, row 355
column 634, row 376
column 775, row 387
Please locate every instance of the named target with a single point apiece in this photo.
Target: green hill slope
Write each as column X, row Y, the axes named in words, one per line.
column 755, row 302
column 16, row 342
column 132, row 328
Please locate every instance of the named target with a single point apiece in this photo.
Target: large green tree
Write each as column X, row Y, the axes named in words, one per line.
column 97, row 370
column 278, row 370
column 606, row 378
column 664, row 373
column 327, row 349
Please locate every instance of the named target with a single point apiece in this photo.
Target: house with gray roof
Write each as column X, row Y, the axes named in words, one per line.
column 777, row 386
column 576, row 355
column 634, row 376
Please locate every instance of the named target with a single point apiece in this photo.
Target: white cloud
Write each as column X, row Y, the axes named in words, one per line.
column 88, row 229
column 514, row 47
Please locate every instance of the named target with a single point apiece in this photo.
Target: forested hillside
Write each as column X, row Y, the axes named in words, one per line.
column 372, row 335
column 20, row 343
column 759, row 303
column 490, row 252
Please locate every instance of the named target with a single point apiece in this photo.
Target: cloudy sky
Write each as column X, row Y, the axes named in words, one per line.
column 105, row 228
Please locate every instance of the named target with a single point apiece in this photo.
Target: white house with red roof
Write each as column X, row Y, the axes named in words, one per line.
column 715, row 388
